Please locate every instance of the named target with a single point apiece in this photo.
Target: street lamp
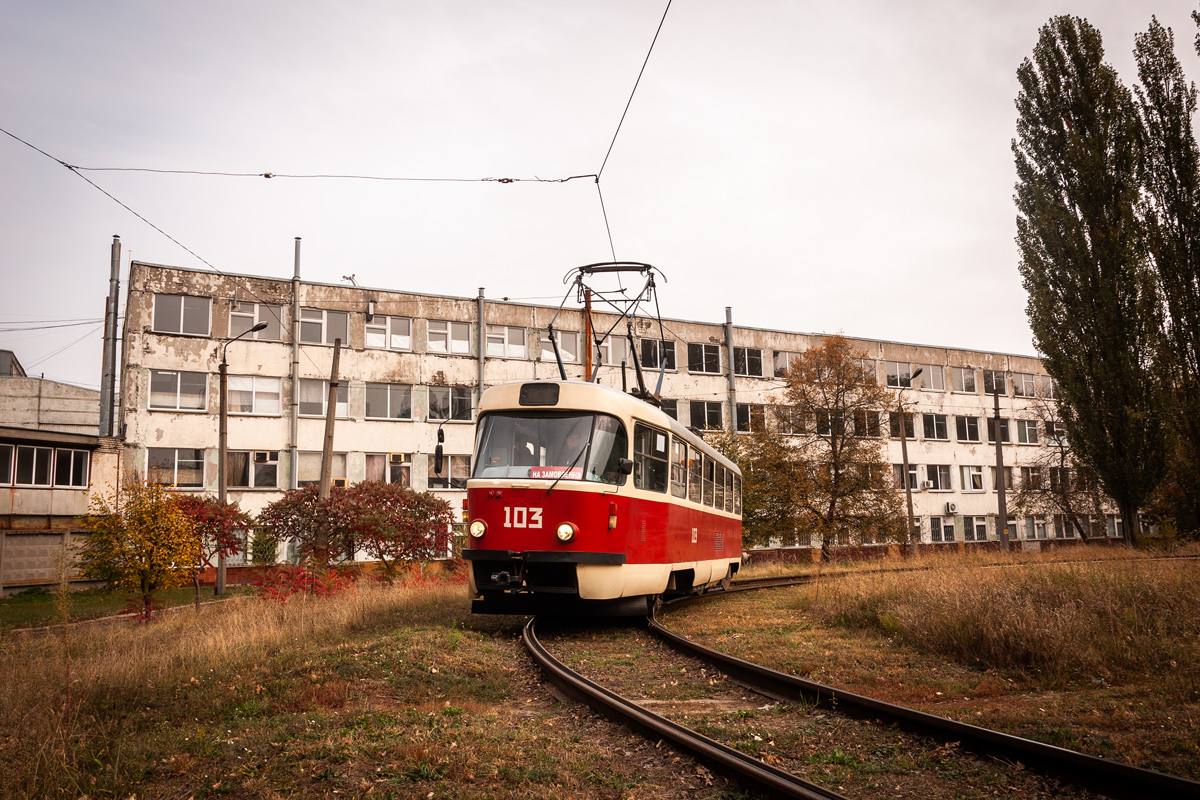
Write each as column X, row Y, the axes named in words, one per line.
column 223, row 441
column 915, row 538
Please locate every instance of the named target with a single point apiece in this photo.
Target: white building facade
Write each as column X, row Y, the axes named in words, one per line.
column 412, row 364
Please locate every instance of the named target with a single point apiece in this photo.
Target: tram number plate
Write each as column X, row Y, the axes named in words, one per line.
column 522, row 517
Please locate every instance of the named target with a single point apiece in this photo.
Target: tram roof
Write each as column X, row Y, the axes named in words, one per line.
column 597, row 397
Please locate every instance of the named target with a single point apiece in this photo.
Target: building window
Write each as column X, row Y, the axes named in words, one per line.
column 177, row 313
column 829, row 424
column 614, row 351
column 388, row 333
column 670, row 408
column 314, row 398
column 705, row 414
column 178, row 391
column 1024, row 385
column 936, row 531
column 991, row 429
column 972, row 479
column 866, row 423
column 33, row 465
column 747, row 362
column 251, row 394
column 783, row 361
column 975, row 529
column 894, row 418
column 649, row 458
column 935, row 427
column 1035, row 528
column 254, row 469
column 389, row 401
column 967, row 428
column 1054, row 433
column 1008, row 479
column 6, row 464
column 390, row 468
column 318, row 326
column 938, row 476
column 568, row 346
column 71, row 468
column 1031, row 477
column 994, row 382
column 899, row 374
column 449, row 403
column 704, row 358
column 932, row 378
column 653, row 348
column 243, row 316
column 449, row 337
column 1049, row 387
column 504, row 341
column 1116, row 527
column 1027, row 431
column 898, row 475
column 962, row 379
column 750, row 417
column 453, row 475
column 171, row 466
column 308, row 471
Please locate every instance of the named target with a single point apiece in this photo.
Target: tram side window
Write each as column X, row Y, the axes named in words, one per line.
column 649, row 458
column 729, row 490
column 709, row 467
column 678, row 467
column 719, row 481
column 695, row 464
column 737, row 494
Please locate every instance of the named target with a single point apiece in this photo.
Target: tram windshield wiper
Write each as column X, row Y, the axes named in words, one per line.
column 571, row 467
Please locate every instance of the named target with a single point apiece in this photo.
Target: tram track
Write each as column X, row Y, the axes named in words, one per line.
column 1058, row 765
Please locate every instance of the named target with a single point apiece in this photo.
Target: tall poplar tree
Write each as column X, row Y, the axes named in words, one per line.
column 1170, row 220
column 1091, row 301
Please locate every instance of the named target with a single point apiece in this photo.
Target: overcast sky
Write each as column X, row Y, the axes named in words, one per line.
column 819, row 167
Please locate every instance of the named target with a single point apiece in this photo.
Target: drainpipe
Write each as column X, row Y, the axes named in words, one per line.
column 108, row 378
column 294, row 440
column 482, row 341
column 729, row 361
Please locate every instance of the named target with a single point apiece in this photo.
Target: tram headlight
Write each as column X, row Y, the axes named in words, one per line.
column 566, row 532
column 477, row 528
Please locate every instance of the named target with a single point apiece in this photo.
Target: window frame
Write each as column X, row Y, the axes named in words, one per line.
column 960, row 377
column 1024, row 384
column 183, row 315
column 337, row 468
column 788, row 356
column 1027, row 432
column 36, row 467
column 900, row 377
column 175, row 458
column 454, row 400
column 373, row 327
column 707, row 406
column 969, row 476
column 450, row 463
column 962, row 429
column 388, row 393
column 699, row 356
column 930, row 424
column 569, row 355
column 502, row 336
column 926, row 378
column 252, row 462
column 935, row 473
column 457, row 337
column 744, row 359
column 651, row 348
column 260, row 312
column 989, row 375
column 255, row 391
column 340, row 411
column 395, row 465
column 179, row 377
column 324, row 323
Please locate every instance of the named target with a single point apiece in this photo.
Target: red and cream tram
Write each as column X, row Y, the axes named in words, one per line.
column 584, row 499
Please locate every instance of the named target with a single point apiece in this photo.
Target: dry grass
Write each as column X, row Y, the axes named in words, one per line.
column 1061, row 621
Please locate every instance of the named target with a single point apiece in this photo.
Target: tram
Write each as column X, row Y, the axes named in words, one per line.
column 584, row 499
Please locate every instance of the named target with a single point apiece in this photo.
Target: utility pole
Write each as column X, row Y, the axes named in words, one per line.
column 108, row 375
column 330, row 413
column 1002, row 511
column 914, row 535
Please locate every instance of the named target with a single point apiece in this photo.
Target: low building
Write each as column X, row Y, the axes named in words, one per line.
column 412, row 365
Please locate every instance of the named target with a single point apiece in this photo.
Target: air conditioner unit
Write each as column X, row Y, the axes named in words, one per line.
column 951, row 508
column 927, row 484
column 339, row 482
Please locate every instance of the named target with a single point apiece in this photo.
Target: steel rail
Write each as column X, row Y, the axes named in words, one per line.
column 749, row 773
column 1109, row 778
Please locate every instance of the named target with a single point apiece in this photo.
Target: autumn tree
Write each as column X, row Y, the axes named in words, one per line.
column 842, row 482
column 1169, row 212
column 769, row 506
column 394, row 524
column 217, row 524
column 141, row 540
column 315, row 525
column 1091, row 297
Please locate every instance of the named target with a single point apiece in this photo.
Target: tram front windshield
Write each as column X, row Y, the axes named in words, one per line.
column 562, row 446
